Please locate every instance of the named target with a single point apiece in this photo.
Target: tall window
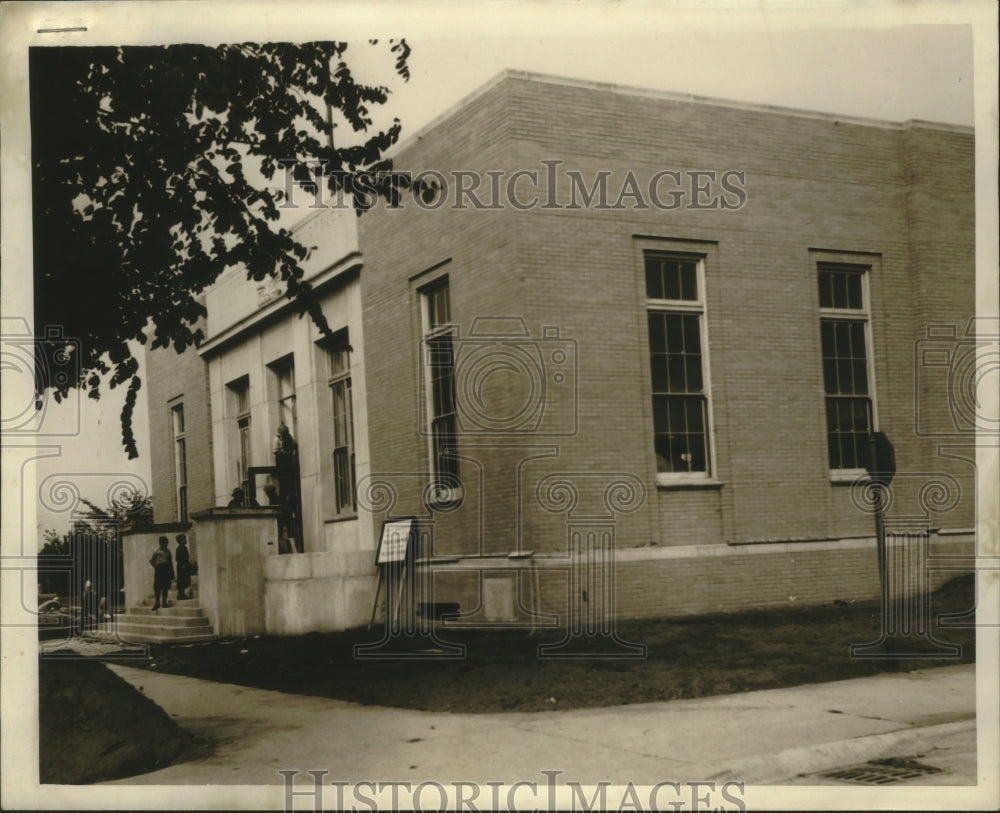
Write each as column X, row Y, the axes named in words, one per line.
column 240, row 400
column 439, row 342
column 676, row 310
column 339, row 360
column 180, row 461
column 844, row 330
column 284, row 382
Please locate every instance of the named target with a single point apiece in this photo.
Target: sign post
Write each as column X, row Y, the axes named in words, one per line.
column 391, row 558
column 881, row 468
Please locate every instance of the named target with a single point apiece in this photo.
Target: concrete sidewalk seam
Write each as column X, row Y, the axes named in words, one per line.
column 792, row 762
column 564, row 738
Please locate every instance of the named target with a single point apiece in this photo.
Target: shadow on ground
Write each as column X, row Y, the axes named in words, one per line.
column 93, row 726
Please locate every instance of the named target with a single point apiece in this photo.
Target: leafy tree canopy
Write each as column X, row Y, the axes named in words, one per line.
column 152, row 174
column 126, row 510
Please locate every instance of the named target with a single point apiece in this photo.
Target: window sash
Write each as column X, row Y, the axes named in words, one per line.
column 675, row 359
column 239, row 403
column 242, row 399
column 845, row 356
column 671, row 278
column 177, row 419
column 287, row 414
column 438, row 299
column 847, row 372
column 677, row 364
column 283, row 371
column 842, row 287
column 243, row 464
column 849, row 424
column 338, row 359
column 343, row 444
column 681, row 433
column 444, row 445
column 440, row 380
column 180, row 461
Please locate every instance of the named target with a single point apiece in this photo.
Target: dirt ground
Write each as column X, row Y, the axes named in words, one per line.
column 503, row 671
column 94, row 726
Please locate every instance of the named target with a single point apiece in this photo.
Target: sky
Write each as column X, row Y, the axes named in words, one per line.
column 921, row 72
column 890, row 61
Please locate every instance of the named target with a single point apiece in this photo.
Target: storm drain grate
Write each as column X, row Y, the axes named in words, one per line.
column 882, row 771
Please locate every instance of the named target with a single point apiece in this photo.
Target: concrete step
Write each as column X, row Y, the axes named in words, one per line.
column 155, row 620
column 151, row 636
column 145, row 638
column 173, row 602
column 162, row 639
column 165, row 631
column 185, row 609
column 150, row 600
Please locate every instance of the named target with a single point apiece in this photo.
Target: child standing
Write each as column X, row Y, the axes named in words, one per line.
column 163, row 572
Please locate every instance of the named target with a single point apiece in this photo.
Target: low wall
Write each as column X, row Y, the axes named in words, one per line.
column 233, row 546
column 318, row 592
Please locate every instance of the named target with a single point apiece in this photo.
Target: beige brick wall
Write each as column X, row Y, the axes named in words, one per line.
column 899, row 196
column 812, row 183
column 170, row 379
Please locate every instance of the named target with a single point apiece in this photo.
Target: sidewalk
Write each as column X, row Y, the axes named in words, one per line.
column 762, row 737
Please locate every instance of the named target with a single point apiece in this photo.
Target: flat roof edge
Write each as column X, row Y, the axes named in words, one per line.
column 692, row 98
column 673, row 96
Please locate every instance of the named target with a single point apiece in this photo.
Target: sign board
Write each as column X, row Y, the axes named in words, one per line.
column 395, row 540
column 883, row 459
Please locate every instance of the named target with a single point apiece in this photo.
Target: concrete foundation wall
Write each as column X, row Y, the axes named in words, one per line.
column 233, row 548
column 699, row 579
column 318, row 592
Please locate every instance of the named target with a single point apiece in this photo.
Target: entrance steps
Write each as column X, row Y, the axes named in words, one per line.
column 182, row 622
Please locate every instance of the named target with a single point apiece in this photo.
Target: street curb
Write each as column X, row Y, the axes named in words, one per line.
column 792, row 762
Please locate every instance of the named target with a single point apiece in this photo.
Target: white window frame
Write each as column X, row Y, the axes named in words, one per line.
column 242, row 421
column 283, row 371
column 341, row 378
column 862, row 314
column 698, row 307
column 441, row 493
column 179, row 448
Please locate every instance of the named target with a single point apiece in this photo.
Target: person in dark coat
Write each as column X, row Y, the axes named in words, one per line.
column 163, row 573
column 183, row 559
column 286, row 461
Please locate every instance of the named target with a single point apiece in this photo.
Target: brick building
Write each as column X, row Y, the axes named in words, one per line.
column 643, row 337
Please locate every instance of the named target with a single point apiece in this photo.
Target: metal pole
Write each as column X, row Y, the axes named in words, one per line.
column 883, row 559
